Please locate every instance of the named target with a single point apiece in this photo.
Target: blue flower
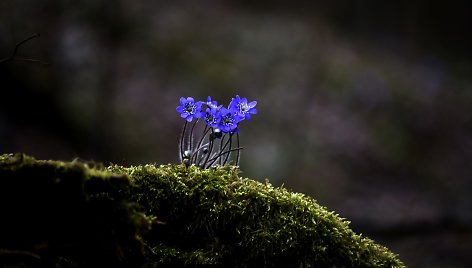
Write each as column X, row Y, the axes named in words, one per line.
column 212, row 104
column 189, row 109
column 229, row 120
column 212, row 117
column 206, row 152
column 243, row 108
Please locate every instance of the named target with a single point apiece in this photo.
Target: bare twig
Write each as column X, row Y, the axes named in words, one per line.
column 15, row 52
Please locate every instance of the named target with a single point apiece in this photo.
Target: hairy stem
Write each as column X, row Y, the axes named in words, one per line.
column 238, row 154
column 229, row 152
column 217, row 155
column 199, row 144
column 181, row 143
column 190, row 147
column 223, row 153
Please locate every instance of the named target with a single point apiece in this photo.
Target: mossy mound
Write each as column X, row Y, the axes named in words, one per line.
column 69, row 214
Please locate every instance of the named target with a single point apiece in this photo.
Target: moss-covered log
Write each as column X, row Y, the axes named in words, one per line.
column 72, row 214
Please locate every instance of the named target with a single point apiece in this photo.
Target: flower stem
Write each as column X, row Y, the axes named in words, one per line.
column 238, row 154
column 190, row 147
column 223, row 153
column 217, row 156
column 210, row 149
column 199, row 145
column 221, row 148
column 181, row 143
column 229, row 151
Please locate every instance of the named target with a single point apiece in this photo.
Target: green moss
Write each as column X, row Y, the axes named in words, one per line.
column 170, row 215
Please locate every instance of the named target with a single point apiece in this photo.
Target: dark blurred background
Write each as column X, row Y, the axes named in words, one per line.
column 364, row 105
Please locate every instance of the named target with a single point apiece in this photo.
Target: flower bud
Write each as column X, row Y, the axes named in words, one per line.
column 216, row 134
column 187, row 154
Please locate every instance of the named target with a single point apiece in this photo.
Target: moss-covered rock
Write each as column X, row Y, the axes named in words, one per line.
column 69, row 214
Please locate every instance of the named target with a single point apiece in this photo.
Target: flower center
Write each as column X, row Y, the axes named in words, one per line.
column 242, row 108
column 228, row 120
column 189, row 108
column 210, row 118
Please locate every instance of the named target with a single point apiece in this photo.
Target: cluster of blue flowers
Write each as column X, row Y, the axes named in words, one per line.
column 221, row 123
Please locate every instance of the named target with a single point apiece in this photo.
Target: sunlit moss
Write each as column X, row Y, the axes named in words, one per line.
column 170, row 215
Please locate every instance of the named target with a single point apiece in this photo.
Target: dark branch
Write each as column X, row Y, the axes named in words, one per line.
column 17, row 47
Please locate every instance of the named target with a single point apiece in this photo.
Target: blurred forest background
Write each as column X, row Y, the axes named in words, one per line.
column 364, row 105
